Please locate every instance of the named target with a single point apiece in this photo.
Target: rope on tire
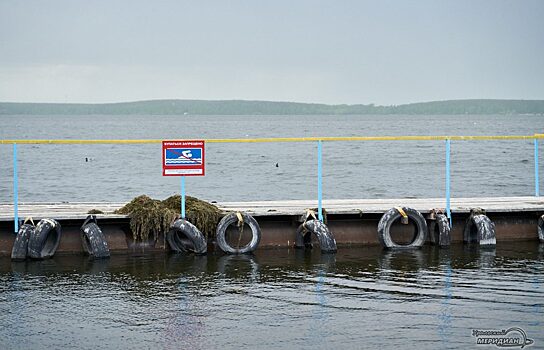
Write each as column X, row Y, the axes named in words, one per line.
column 240, row 220
column 477, row 211
column 433, row 213
column 29, row 218
column 404, row 219
column 240, row 226
column 309, row 213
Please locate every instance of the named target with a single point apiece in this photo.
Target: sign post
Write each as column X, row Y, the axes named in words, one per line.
column 183, row 197
column 15, row 190
column 183, row 158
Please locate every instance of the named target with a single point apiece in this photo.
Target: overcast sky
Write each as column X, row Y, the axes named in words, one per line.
column 383, row 52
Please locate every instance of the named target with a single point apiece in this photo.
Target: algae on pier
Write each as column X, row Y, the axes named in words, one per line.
column 150, row 217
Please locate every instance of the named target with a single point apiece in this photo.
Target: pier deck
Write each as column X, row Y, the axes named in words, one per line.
column 72, row 211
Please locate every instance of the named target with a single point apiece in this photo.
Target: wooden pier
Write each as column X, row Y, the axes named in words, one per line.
column 353, row 221
column 79, row 210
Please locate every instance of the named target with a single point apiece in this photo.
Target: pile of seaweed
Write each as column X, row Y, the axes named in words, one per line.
column 151, row 217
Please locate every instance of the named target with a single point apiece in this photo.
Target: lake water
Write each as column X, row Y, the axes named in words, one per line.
column 359, row 298
column 238, row 172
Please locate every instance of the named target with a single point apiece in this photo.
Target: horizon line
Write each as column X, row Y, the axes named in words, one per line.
column 272, row 101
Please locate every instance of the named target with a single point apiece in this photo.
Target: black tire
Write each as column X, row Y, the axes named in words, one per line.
column 479, row 229
column 303, row 238
column 439, row 231
column 20, row 246
column 184, row 237
column 44, row 241
column 540, row 229
column 392, row 215
column 93, row 240
column 230, row 219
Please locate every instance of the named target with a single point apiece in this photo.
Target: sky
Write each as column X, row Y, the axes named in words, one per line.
column 336, row 52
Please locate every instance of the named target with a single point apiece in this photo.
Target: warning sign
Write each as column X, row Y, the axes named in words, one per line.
column 183, row 158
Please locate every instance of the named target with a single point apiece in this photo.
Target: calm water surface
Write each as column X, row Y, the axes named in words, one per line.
column 277, row 299
column 238, row 172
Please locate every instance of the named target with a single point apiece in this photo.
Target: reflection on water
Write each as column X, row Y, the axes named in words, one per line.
column 184, row 327
column 445, row 315
column 238, row 267
column 281, row 299
column 403, row 260
column 318, row 331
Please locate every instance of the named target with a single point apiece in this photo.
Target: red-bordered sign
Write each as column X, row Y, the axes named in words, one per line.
column 183, row 158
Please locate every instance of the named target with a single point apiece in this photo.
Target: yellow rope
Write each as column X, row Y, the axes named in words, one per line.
column 404, row 217
column 310, row 212
column 402, row 212
column 292, row 139
column 29, row 219
column 240, row 227
column 240, row 219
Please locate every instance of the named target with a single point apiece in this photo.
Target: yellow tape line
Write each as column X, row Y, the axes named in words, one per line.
column 293, row 139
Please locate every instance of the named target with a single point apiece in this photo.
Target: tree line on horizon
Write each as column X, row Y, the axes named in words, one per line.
column 242, row 107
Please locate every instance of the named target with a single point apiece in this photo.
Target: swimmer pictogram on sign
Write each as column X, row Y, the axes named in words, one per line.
column 183, row 158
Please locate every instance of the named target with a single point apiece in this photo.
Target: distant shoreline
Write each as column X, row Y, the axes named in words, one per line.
column 243, row 107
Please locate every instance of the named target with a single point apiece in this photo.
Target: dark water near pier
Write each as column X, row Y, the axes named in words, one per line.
column 277, row 299
column 281, row 299
column 237, row 172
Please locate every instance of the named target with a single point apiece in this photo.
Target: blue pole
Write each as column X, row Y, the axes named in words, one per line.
column 15, row 190
column 537, row 182
column 319, row 181
column 183, row 197
column 448, row 182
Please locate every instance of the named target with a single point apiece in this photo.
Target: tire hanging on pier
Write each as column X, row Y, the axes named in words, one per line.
column 479, row 229
column 20, row 246
column 45, row 239
column 540, row 229
column 184, row 237
column 239, row 219
column 440, row 231
column 303, row 238
column 93, row 240
column 405, row 214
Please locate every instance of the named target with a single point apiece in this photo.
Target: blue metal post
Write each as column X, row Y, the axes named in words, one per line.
column 319, row 181
column 15, row 190
column 448, row 183
column 537, row 182
column 183, row 197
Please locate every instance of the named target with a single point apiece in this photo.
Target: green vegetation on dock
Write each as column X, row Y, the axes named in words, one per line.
column 240, row 107
column 151, row 217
